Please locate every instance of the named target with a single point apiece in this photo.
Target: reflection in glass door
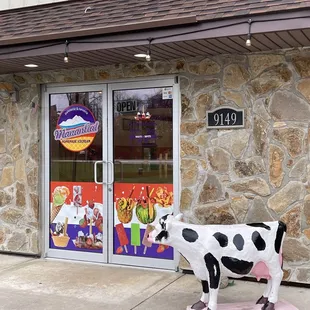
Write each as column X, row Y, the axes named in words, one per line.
column 76, row 215
column 143, row 170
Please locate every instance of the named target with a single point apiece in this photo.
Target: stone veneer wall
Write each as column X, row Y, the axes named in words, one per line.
column 19, row 160
column 258, row 173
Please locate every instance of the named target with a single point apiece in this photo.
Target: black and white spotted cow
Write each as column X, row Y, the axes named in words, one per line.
column 227, row 250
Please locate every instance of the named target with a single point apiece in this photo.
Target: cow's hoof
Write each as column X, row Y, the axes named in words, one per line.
column 268, row 306
column 262, row 301
column 199, row 305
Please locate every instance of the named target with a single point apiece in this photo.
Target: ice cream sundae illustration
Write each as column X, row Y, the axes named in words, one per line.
column 60, row 236
column 92, row 213
column 90, row 240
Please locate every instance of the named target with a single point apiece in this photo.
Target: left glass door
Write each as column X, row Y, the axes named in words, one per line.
column 77, row 228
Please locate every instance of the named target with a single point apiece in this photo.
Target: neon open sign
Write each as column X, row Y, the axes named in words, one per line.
column 225, row 117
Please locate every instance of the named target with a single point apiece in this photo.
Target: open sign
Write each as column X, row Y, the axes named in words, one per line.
column 126, row 106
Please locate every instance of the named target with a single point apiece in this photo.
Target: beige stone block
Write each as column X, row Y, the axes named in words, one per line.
column 20, row 172
column 236, row 97
column 240, row 206
column 188, row 148
column 259, row 63
column 6, row 87
column 2, row 141
column 258, row 212
column 295, row 251
column 189, row 169
column 204, row 67
column 307, row 233
column 252, row 185
column 286, row 106
column 288, row 195
column 291, row 138
column 202, row 139
column 191, row 128
column 234, row 142
column 212, row 190
column 268, row 81
column 292, row 219
column 7, row 176
column 219, row 159
column 203, row 104
column 302, row 65
column 186, row 199
column 219, row 213
column 235, row 76
column 276, row 157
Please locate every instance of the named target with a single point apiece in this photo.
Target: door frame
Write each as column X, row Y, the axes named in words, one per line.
column 107, row 100
column 67, row 254
column 167, row 82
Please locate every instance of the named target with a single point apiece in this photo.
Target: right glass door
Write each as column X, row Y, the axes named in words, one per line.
column 143, row 157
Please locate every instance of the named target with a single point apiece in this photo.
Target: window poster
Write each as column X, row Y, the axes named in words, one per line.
column 76, row 221
column 137, row 208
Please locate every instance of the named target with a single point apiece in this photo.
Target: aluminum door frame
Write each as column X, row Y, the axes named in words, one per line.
column 168, row 82
column 45, row 187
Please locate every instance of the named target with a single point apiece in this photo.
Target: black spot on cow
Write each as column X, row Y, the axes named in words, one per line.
column 162, row 221
column 205, row 286
column 189, row 235
column 237, row 266
column 261, row 225
column 238, row 242
column 221, row 238
column 161, row 235
column 258, row 241
column 164, row 218
column 213, row 267
column 280, row 232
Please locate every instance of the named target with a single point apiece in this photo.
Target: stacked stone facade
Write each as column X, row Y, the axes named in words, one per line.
column 257, row 173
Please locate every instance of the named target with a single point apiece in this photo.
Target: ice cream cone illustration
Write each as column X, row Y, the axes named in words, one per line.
column 59, row 195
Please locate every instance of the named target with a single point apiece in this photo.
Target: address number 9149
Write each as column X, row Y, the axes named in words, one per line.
column 225, row 118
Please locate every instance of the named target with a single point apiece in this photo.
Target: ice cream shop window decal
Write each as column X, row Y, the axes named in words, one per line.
column 76, row 128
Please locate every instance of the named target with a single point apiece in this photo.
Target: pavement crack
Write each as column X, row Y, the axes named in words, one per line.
column 163, row 288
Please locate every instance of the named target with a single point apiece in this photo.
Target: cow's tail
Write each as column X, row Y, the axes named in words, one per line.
column 281, row 231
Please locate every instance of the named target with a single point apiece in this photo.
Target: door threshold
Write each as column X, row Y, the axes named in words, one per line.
column 102, row 264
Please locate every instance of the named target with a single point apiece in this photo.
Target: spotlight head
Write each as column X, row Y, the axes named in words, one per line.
column 248, row 42
column 66, row 59
column 148, row 57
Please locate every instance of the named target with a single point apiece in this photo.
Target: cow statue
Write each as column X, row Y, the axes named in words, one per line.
column 235, row 251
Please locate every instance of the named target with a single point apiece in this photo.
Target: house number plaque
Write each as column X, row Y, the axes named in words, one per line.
column 225, row 117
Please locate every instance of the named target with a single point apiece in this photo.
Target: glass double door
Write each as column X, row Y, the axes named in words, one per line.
column 109, row 172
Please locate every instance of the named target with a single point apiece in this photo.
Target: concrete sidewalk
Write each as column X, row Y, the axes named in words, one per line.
column 38, row 284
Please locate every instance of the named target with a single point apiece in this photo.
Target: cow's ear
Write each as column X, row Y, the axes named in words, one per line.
column 179, row 217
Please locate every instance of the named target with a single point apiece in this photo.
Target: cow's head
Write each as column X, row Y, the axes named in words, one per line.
column 161, row 232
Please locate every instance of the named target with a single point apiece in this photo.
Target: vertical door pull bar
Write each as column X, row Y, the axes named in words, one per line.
column 112, row 172
column 95, row 171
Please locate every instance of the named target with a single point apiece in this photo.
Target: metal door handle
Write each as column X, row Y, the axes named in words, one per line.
column 112, row 178
column 95, row 171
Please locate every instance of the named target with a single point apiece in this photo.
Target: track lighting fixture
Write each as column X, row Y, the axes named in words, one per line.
column 147, row 55
column 248, row 41
column 66, row 57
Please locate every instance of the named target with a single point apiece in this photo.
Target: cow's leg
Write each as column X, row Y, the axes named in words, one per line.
column 264, row 299
column 214, row 272
column 276, row 278
column 202, row 303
